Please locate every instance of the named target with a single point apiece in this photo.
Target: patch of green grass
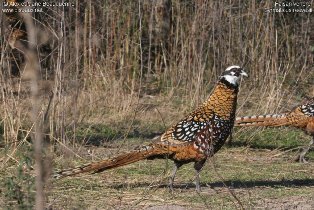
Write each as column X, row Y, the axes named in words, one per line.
column 270, row 138
column 96, row 134
column 310, row 155
column 17, row 184
column 285, row 139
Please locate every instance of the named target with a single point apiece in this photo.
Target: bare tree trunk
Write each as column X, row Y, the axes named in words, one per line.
column 32, row 73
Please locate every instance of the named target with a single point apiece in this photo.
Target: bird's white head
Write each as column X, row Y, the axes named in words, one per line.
column 232, row 74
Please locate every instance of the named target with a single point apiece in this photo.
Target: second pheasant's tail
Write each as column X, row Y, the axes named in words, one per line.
column 263, row 120
column 144, row 152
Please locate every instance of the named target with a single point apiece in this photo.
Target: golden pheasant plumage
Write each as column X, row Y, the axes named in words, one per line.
column 301, row 116
column 195, row 138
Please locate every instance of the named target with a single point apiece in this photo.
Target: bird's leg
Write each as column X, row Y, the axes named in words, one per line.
column 197, row 181
column 171, row 179
column 229, row 139
column 198, row 167
column 304, row 150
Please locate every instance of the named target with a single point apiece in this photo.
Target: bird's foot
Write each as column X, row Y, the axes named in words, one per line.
column 197, row 187
column 171, row 190
column 301, row 159
column 170, row 186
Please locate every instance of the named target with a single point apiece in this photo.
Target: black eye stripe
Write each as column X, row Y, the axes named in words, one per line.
column 234, row 72
column 237, row 72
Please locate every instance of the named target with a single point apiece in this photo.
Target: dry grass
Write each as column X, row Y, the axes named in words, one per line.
column 111, row 61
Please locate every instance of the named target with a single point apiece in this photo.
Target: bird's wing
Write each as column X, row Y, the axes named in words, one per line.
column 185, row 131
column 308, row 108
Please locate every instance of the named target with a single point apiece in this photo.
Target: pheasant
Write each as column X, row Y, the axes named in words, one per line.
column 301, row 116
column 193, row 139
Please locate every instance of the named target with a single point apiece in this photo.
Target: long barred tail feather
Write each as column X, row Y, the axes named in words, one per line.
column 263, row 120
column 121, row 160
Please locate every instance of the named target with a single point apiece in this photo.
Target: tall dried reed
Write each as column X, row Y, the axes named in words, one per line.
column 113, row 61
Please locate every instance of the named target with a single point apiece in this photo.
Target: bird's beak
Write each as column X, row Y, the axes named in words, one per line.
column 243, row 73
